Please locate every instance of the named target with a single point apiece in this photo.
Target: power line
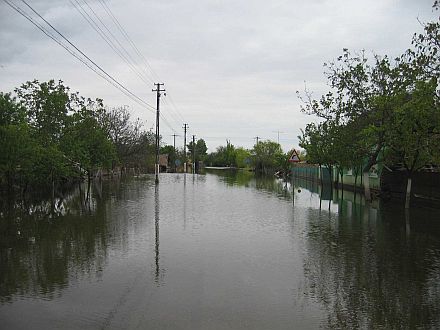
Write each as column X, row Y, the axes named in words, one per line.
column 173, row 110
column 87, row 61
column 114, row 47
column 50, row 35
column 177, row 119
column 141, row 57
column 278, row 134
column 102, row 73
column 127, row 37
column 108, row 38
column 167, row 123
column 130, row 61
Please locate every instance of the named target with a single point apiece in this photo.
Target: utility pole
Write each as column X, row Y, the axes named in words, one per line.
column 157, row 90
column 174, row 141
column 185, row 128
column 194, row 155
column 278, row 132
column 257, row 138
column 174, row 148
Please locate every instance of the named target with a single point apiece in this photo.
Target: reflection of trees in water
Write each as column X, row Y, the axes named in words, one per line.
column 368, row 273
column 44, row 244
column 266, row 183
column 235, row 177
column 311, row 185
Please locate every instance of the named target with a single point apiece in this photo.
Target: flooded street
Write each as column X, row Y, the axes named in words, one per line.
column 217, row 251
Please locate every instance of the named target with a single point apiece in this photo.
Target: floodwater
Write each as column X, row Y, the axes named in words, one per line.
column 217, row 251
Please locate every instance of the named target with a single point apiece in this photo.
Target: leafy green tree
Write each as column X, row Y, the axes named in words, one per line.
column 49, row 135
column 243, row 157
column 11, row 112
column 18, row 152
column 319, row 143
column 86, row 144
column 48, row 105
column 414, row 130
column 15, row 141
column 201, row 149
column 379, row 106
column 223, row 156
column 268, row 156
column 172, row 154
column 143, row 151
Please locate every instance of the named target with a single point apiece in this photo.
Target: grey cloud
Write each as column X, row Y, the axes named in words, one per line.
column 232, row 67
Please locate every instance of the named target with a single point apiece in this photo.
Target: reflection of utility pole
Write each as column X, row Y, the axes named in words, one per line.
column 185, row 128
column 157, row 90
column 156, row 226
column 194, row 154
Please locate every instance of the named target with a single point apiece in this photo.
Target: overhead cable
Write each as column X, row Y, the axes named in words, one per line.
column 90, row 63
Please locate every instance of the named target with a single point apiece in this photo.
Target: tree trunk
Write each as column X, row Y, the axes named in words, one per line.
column 355, row 183
column 320, row 174
column 408, row 192
column 342, row 183
column 366, row 186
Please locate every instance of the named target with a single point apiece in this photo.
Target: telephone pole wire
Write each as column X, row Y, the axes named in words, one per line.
column 185, row 128
column 157, row 90
column 278, row 134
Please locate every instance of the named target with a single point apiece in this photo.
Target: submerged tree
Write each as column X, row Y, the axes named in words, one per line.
column 377, row 107
column 49, row 135
column 414, row 129
column 268, row 157
column 200, row 149
column 223, row 156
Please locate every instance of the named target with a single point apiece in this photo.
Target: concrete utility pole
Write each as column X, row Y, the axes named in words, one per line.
column 278, row 133
column 174, row 141
column 185, row 128
column 157, row 90
column 174, row 148
column 194, row 154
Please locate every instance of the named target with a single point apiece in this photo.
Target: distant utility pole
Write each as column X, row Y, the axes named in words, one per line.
column 278, row 132
column 157, row 90
column 174, row 148
column 185, row 128
column 194, row 154
column 257, row 138
column 174, row 141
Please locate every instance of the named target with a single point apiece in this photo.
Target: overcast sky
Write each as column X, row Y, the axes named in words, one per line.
column 231, row 68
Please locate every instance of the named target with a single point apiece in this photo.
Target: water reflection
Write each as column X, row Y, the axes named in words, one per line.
column 42, row 243
column 156, row 227
column 264, row 183
column 45, row 244
column 239, row 252
column 370, row 271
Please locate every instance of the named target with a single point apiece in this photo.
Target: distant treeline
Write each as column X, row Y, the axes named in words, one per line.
column 50, row 135
column 265, row 157
column 381, row 110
